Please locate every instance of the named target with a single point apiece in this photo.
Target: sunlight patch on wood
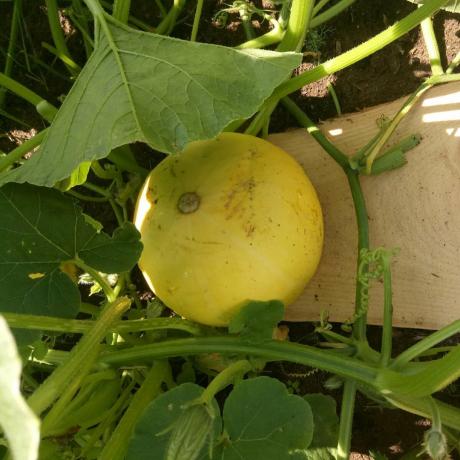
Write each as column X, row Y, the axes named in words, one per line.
column 436, row 117
column 335, row 132
column 451, row 98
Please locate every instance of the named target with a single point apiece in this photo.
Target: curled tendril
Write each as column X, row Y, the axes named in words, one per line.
column 372, row 265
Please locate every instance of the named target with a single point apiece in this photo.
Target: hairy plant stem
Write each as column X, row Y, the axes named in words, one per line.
column 115, row 448
column 78, row 326
column 79, row 357
column 432, row 47
column 425, row 344
column 270, row 350
column 297, row 27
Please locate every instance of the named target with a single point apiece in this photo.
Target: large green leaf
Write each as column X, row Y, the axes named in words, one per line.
column 41, row 228
column 262, row 420
column 144, row 87
column 18, row 422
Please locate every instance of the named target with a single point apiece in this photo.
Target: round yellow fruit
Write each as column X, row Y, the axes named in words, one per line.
column 226, row 221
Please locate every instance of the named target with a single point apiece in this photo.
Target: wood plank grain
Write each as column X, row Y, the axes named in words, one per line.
column 415, row 208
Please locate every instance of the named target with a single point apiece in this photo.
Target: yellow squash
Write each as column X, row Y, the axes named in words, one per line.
column 226, row 221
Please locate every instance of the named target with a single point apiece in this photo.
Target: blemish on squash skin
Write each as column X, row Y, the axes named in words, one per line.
column 239, row 194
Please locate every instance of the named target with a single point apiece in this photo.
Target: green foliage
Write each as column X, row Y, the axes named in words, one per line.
column 41, row 229
column 167, row 92
column 256, row 320
column 138, row 86
column 170, row 426
column 18, row 423
column 325, row 420
column 262, row 420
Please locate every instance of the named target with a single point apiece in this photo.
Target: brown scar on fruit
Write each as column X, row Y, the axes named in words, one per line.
column 237, row 196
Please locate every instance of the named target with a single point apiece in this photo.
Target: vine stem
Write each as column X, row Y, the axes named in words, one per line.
column 196, row 20
column 387, row 335
column 79, row 326
column 78, row 358
column 297, row 26
column 271, row 350
column 432, row 47
column 346, row 420
column 425, row 344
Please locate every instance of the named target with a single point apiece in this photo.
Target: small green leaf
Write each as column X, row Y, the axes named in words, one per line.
column 170, row 423
column 77, row 177
column 41, row 228
column 325, row 419
column 165, row 92
column 17, row 420
column 256, row 320
column 262, row 420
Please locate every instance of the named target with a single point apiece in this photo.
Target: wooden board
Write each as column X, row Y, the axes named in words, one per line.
column 415, row 208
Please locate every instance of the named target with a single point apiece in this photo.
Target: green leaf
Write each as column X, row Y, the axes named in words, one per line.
column 453, row 6
column 325, row 419
column 77, row 177
column 40, row 229
column 138, row 86
column 154, row 433
column 256, row 320
column 18, row 422
column 262, row 420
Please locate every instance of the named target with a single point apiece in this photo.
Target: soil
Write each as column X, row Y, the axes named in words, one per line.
column 393, row 72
